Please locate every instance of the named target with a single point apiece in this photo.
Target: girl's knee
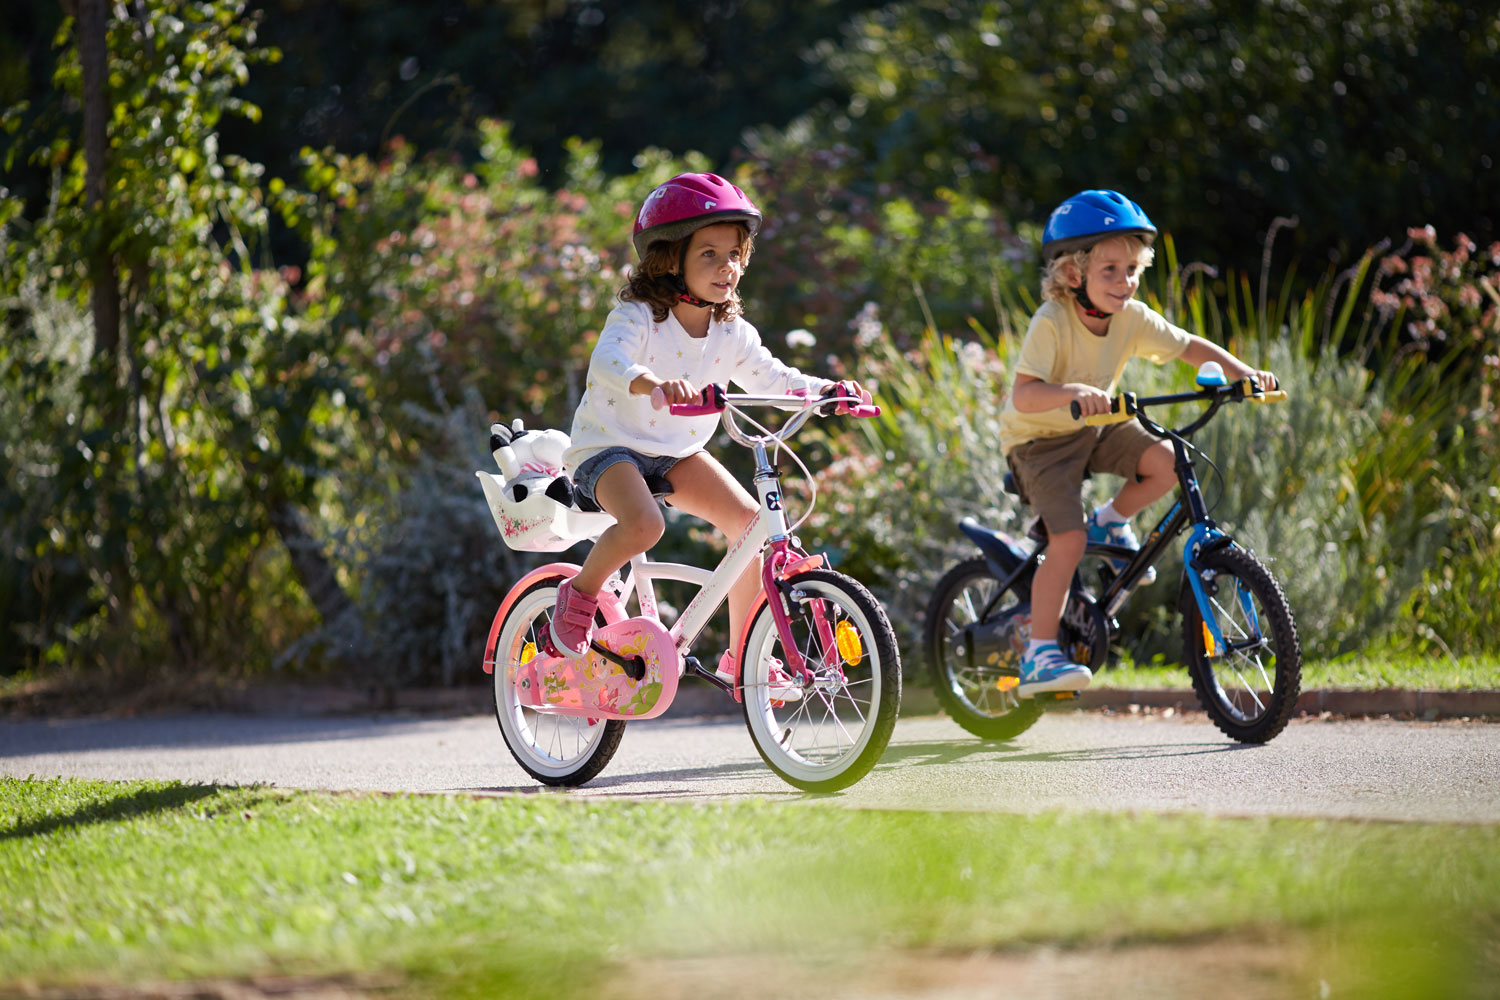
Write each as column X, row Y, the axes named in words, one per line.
column 646, row 530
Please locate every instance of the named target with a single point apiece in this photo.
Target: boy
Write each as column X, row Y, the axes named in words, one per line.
column 1095, row 245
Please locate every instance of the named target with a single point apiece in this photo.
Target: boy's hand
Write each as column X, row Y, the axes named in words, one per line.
column 1265, row 380
column 1091, row 400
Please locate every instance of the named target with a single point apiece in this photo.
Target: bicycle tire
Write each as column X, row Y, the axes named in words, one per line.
column 1256, row 704
column 559, row 750
column 979, row 698
column 838, row 730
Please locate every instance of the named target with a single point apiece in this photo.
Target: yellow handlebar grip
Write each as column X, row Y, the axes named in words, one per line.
column 1100, row 419
column 1274, row 396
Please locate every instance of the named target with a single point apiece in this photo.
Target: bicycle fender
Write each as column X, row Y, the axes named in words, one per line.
column 608, row 604
column 998, row 547
column 1203, row 538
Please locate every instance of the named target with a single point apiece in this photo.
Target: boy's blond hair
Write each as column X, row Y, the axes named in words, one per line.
column 1060, row 269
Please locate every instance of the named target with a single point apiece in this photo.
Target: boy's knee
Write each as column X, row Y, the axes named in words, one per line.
column 1068, row 542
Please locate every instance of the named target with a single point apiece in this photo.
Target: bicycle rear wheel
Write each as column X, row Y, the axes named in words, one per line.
column 974, row 634
column 553, row 749
column 1249, row 688
column 835, row 733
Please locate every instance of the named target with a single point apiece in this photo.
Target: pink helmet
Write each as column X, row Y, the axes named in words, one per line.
column 687, row 203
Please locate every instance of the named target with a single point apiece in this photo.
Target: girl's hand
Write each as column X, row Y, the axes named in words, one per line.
column 1091, row 399
column 845, row 389
column 678, row 390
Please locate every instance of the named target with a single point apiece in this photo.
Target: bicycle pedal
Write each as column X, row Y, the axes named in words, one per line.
column 1057, row 696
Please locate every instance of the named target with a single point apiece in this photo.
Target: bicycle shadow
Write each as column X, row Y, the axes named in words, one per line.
column 701, row 783
column 934, row 752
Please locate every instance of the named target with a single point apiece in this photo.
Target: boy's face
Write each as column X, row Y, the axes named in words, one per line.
column 715, row 261
column 1113, row 274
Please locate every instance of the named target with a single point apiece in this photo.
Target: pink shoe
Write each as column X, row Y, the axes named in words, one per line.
column 573, row 620
column 780, row 685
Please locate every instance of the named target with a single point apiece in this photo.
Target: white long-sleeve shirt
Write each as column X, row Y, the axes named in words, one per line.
column 632, row 344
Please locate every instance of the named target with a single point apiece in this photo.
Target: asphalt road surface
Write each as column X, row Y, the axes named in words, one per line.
column 1371, row 769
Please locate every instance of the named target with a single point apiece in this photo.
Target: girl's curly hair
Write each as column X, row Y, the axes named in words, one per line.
column 654, row 282
column 1064, row 266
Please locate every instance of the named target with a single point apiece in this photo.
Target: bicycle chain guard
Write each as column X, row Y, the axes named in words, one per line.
column 597, row 688
column 1084, row 635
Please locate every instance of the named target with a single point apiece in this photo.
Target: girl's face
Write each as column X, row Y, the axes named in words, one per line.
column 1113, row 274
column 714, row 262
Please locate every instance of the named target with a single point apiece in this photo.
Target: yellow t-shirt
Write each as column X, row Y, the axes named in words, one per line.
column 1059, row 348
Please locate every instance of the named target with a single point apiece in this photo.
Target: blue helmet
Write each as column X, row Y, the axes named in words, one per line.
column 1091, row 216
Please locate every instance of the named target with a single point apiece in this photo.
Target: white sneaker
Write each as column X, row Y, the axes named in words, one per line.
column 1051, row 670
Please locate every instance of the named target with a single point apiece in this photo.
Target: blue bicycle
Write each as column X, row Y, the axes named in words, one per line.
column 1239, row 636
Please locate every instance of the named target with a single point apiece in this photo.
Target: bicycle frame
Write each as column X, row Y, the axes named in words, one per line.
column 768, row 533
column 1188, row 508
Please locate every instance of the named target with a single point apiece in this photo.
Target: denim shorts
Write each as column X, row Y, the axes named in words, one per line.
column 587, row 475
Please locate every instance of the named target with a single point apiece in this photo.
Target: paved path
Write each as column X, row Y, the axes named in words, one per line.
column 1373, row 769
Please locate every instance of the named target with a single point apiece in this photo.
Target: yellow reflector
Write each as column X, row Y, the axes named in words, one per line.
column 846, row 637
column 527, row 652
column 1007, row 683
column 1208, row 642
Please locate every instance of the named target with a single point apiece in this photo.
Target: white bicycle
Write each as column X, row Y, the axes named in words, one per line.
column 563, row 718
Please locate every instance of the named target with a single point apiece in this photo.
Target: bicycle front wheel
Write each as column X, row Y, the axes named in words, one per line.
column 974, row 635
column 1249, row 687
column 833, row 735
column 553, row 749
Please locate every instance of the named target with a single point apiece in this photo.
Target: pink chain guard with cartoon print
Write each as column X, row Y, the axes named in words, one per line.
column 597, row 688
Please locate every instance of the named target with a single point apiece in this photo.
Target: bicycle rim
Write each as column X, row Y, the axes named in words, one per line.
column 554, row 749
column 835, row 733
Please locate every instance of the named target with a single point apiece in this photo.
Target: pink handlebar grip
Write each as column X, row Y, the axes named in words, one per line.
column 864, row 410
column 711, row 400
column 693, row 409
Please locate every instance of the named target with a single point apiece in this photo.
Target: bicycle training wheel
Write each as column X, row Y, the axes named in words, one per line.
column 974, row 635
column 1249, row 688
column 553, row 749
column 835, row 733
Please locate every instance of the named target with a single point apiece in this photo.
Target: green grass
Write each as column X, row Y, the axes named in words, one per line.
column 542, row 895
column 1361, row 673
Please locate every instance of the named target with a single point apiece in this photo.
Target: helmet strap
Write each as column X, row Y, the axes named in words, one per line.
column 683, row 295
column 1081, row 293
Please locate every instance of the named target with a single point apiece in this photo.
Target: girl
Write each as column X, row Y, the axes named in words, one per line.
column 678, row 328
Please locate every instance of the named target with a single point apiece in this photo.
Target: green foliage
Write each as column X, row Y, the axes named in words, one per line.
column 158, row 466
column 1217, row 117
column 832, row 240
column 623, row 72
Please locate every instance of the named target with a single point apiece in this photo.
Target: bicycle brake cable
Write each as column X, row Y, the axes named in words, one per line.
column 776, row 449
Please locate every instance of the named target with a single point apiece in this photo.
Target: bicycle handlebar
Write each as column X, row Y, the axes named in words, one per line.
column 1126, row 405
column 713, row 399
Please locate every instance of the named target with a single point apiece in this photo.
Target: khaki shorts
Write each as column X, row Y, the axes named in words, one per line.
column 1049, row 471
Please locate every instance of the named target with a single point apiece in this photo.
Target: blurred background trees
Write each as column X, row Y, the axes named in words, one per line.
column 342, row 237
